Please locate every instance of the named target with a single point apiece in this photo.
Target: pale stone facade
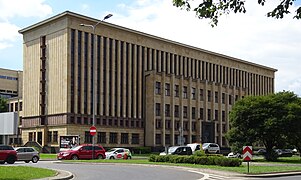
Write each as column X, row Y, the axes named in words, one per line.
column 59, row 60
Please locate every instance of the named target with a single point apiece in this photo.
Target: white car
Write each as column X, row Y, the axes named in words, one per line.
column 119, row 153
column 211, row 148
column 195, row 146
column 234, row 155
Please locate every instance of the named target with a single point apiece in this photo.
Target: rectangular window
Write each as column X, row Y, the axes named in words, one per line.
column 201, row 94
column 193, row 128
column 185, row 92
column 167, row 124
column 167, row 89
column 209, row 114
column 49, row 137
column 158, row 88
column 216, row 115
column 216, row 97
column 167, row 138
column 167, row 110
column 230, row 99
column 124, row 138
column 158, row 138
column 101, row 137
column 177, row 114
column 223, row 98
column 113, row 138
column 158, row 123
column 30, row 136
column 223, row 116
column 135, row 138
column 201, row 113
column 88, row 137
column 193, row 112
column 209, row 95
column 177, row 93
column 185, row 112
column 158, row 109
column 55, row 136
column 193, row 93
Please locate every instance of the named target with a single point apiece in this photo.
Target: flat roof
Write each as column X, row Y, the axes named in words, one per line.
column 24, row 30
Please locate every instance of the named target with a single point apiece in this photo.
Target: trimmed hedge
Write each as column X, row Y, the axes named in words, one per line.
column 194, row 159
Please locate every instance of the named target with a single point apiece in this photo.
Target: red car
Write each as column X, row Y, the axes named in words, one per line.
column 7, row 154
column 83, row 151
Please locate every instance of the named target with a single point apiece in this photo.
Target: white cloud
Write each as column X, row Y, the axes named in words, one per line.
column 18, row 8
column 85, row 7
column 251, row 36
column 28, row 8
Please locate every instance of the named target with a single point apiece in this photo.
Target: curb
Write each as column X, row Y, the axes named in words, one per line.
column 276, row 174
column 61, row 174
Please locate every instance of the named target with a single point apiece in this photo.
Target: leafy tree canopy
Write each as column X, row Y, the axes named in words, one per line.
column 3, row 105
column 213, row 9
column 268, row 120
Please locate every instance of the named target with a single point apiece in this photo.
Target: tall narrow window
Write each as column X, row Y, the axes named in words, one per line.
column 201, row 94
column 185, row 112
column 177, row 114
column 193, row 112
column 158, row 88
column 216, row 97
column 177, row 93
column 193, row 93
column 209, row 95
column 167, row 89
column 158, row 109
column 185, row 92
column 167, row 110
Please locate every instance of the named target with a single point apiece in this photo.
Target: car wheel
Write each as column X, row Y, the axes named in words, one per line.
column 112, row 157
column 26, row 161
column 217, row 152
column 74, row 157
column 100, row 157
column 35, row 159
column 2, row 162
column 206, row 151
column 11, row 160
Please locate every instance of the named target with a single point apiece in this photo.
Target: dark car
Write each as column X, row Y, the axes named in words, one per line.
column 7, row 154
column 27, row 154
column 178, row 150
column 83, row 151
column 284, row 152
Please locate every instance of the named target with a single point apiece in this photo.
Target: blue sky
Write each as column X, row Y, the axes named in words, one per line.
column 252, row 36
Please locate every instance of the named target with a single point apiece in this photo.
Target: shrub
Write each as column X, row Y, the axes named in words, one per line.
column 203, row 160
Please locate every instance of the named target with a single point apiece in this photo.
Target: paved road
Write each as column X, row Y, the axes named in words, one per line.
column 85, row 171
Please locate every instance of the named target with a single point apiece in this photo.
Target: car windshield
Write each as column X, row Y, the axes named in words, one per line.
column 205, row 144
column 172, row 149
column 76, row 148
column 112, row 150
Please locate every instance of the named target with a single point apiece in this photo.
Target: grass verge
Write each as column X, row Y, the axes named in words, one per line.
column 48, row 156
column 24, row 172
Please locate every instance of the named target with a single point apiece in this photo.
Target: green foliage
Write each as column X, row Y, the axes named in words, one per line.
column 141, row 150
column 271, row 120
column 199, row 153
column 209, row 9
column 3, row 105
column 196, row 159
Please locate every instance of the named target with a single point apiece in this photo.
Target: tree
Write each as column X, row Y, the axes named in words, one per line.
column 264, row 119
column 3, row 105
column 213, row 9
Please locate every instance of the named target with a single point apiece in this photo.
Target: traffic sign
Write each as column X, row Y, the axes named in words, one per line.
column 92, row 130
column 247, row 153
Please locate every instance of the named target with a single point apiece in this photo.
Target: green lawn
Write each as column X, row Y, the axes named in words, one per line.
column 24, row 172
column 48, row 156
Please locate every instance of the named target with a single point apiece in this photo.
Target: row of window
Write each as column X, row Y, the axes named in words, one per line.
column 8, row 77
column 113, row 138
column 13, row 107
column 114, row 122
column 185, row 112
column 193, row 93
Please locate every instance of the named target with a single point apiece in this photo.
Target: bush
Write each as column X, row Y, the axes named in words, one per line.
column 195, row 159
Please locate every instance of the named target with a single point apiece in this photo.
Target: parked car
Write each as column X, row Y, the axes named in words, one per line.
column 195, row 146
column 119, row 153
column 261, row 152
column 211, row 148
column 178, row 150
column 7, row 154
column 234, row 155
column 83, row 151
column 27, row 154
column 284, row 152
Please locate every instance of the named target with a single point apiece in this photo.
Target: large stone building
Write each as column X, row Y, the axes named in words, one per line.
column 149, row 91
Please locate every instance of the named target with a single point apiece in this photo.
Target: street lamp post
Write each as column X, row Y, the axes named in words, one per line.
column 93, row 74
